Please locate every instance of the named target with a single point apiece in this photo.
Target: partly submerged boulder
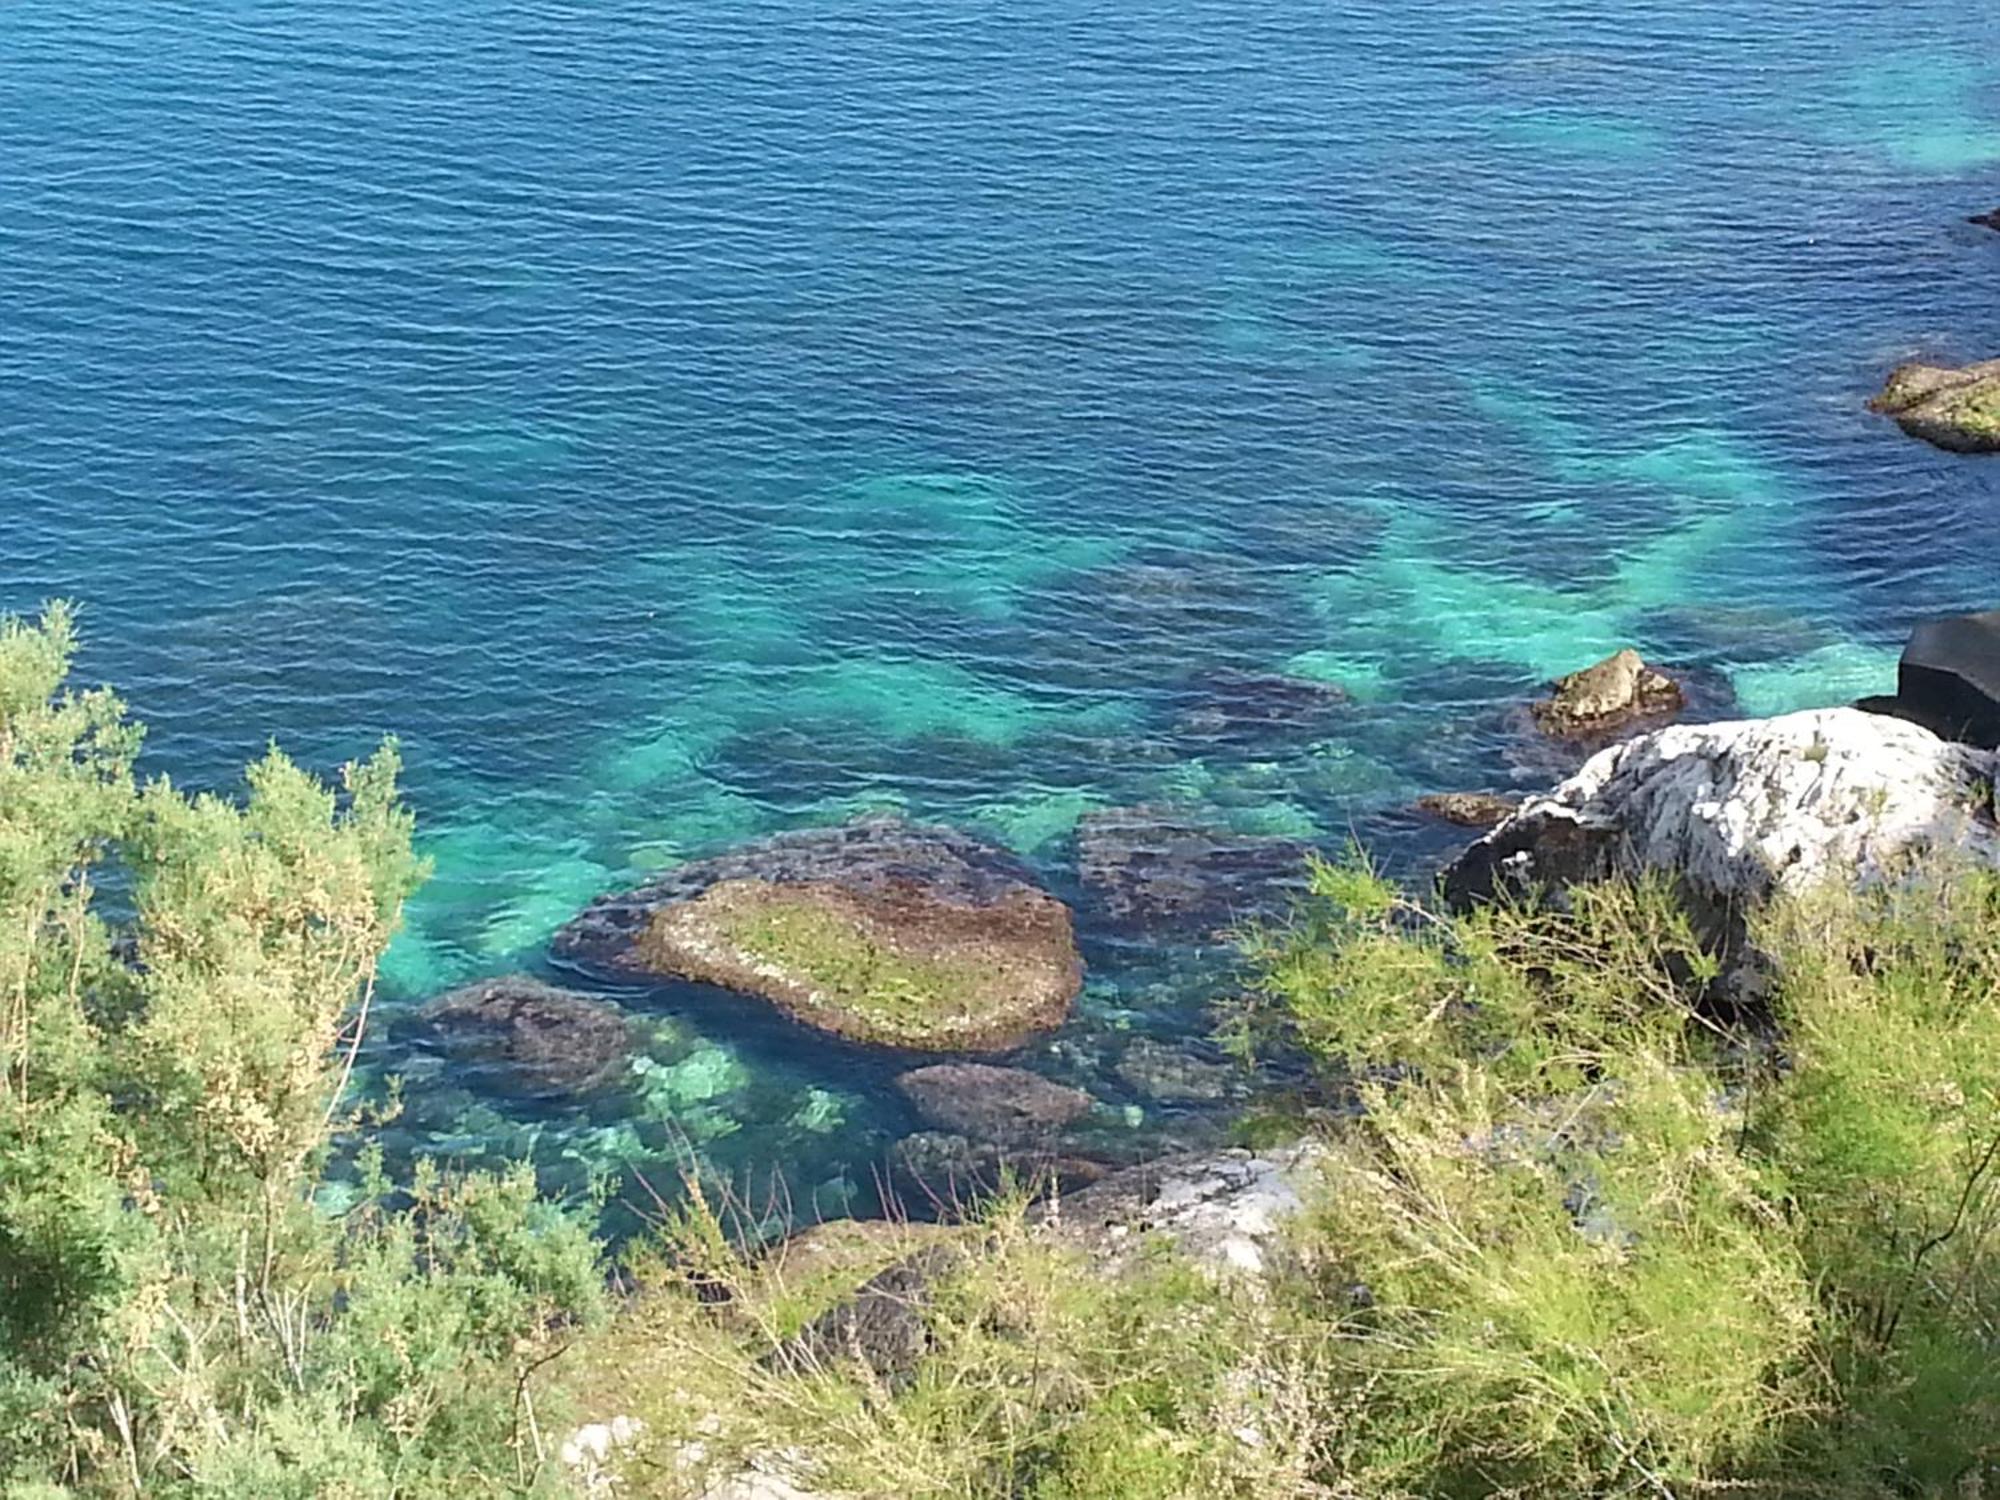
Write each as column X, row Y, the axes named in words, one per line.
column 1740, row 810
column 881, row 931
column 1008, row 1106
column 533, row 1037
column 1618, row 693
column 1469, row 809
column 1990, row 221
column 1955, row 408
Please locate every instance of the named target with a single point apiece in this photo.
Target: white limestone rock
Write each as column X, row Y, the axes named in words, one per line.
column 1225, row 1210
column 1741, row 810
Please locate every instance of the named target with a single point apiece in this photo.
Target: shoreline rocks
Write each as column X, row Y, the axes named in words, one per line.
column 1949, row 680
column 1740, row 810
column 1957, row 409
column 1620, row 692
column 884, row 932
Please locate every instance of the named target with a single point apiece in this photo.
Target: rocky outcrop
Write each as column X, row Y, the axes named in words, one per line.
column 1990, row 221
column 1153, row 871
column 1949, row 679
column 1953, row 408
column 1619, row 693
column 1007, row 1106
column 530, row 1037
column 1740, row 810
column 881, row 931
column 1469, row 809
column 1225, row 1210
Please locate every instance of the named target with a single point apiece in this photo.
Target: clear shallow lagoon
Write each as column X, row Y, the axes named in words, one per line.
column 680, row 421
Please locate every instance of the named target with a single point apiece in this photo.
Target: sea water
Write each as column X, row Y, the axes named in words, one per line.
column 679, row 421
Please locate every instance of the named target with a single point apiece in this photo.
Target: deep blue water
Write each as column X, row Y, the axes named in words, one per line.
column 683, row 420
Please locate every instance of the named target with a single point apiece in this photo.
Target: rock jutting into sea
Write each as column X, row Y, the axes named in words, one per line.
column 1953, row 408
column 881, row 931
column 1740, row 810
column 1468, row 809
column 1618, row 693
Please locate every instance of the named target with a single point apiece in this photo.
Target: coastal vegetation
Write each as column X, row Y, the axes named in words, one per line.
column 1598, row 1204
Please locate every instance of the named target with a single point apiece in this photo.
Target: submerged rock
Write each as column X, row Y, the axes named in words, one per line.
column 1991, row 221
column 1171, row 1075
column 1150, row 869
column 1008, row 1106
column 1953, row 408
column 1469, row 809
column 537, row 1038
column 1619, row 692
column 1740, row 810
column 1949, row 679
column 881, row 931
column 1229, row 705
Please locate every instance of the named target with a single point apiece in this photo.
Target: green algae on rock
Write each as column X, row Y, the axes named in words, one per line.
column 880, row 931
column 1952, row 408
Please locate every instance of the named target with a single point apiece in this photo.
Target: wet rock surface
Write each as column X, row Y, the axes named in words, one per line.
column 1469, row 809
column 881, row 931
column 1739, row 810
column 532, row 1037
column 1006, row 1106
column 1621, row 692
column 1988, row 220
column 1151, row 870
column 1951, row 407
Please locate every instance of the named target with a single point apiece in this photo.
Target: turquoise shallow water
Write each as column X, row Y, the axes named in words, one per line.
column 680, row 421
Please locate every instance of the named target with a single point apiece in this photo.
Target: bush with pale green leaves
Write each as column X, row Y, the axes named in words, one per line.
column 1584, row 1231
column 183, row 985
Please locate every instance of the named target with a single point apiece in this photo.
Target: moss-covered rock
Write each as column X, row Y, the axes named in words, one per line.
column 1619, row 692
column 1953, row 408
column 880, row 931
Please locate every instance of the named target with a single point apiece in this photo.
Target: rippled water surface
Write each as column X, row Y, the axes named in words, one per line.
column 683, row 420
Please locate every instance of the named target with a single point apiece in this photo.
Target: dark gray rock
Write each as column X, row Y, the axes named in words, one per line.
column 533, row 1037
column 1949, row 680
column 884, row 1326
column 1154, row 871
column 1008, row 1106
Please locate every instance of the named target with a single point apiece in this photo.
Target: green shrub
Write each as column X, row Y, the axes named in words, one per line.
column 176, row 1316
